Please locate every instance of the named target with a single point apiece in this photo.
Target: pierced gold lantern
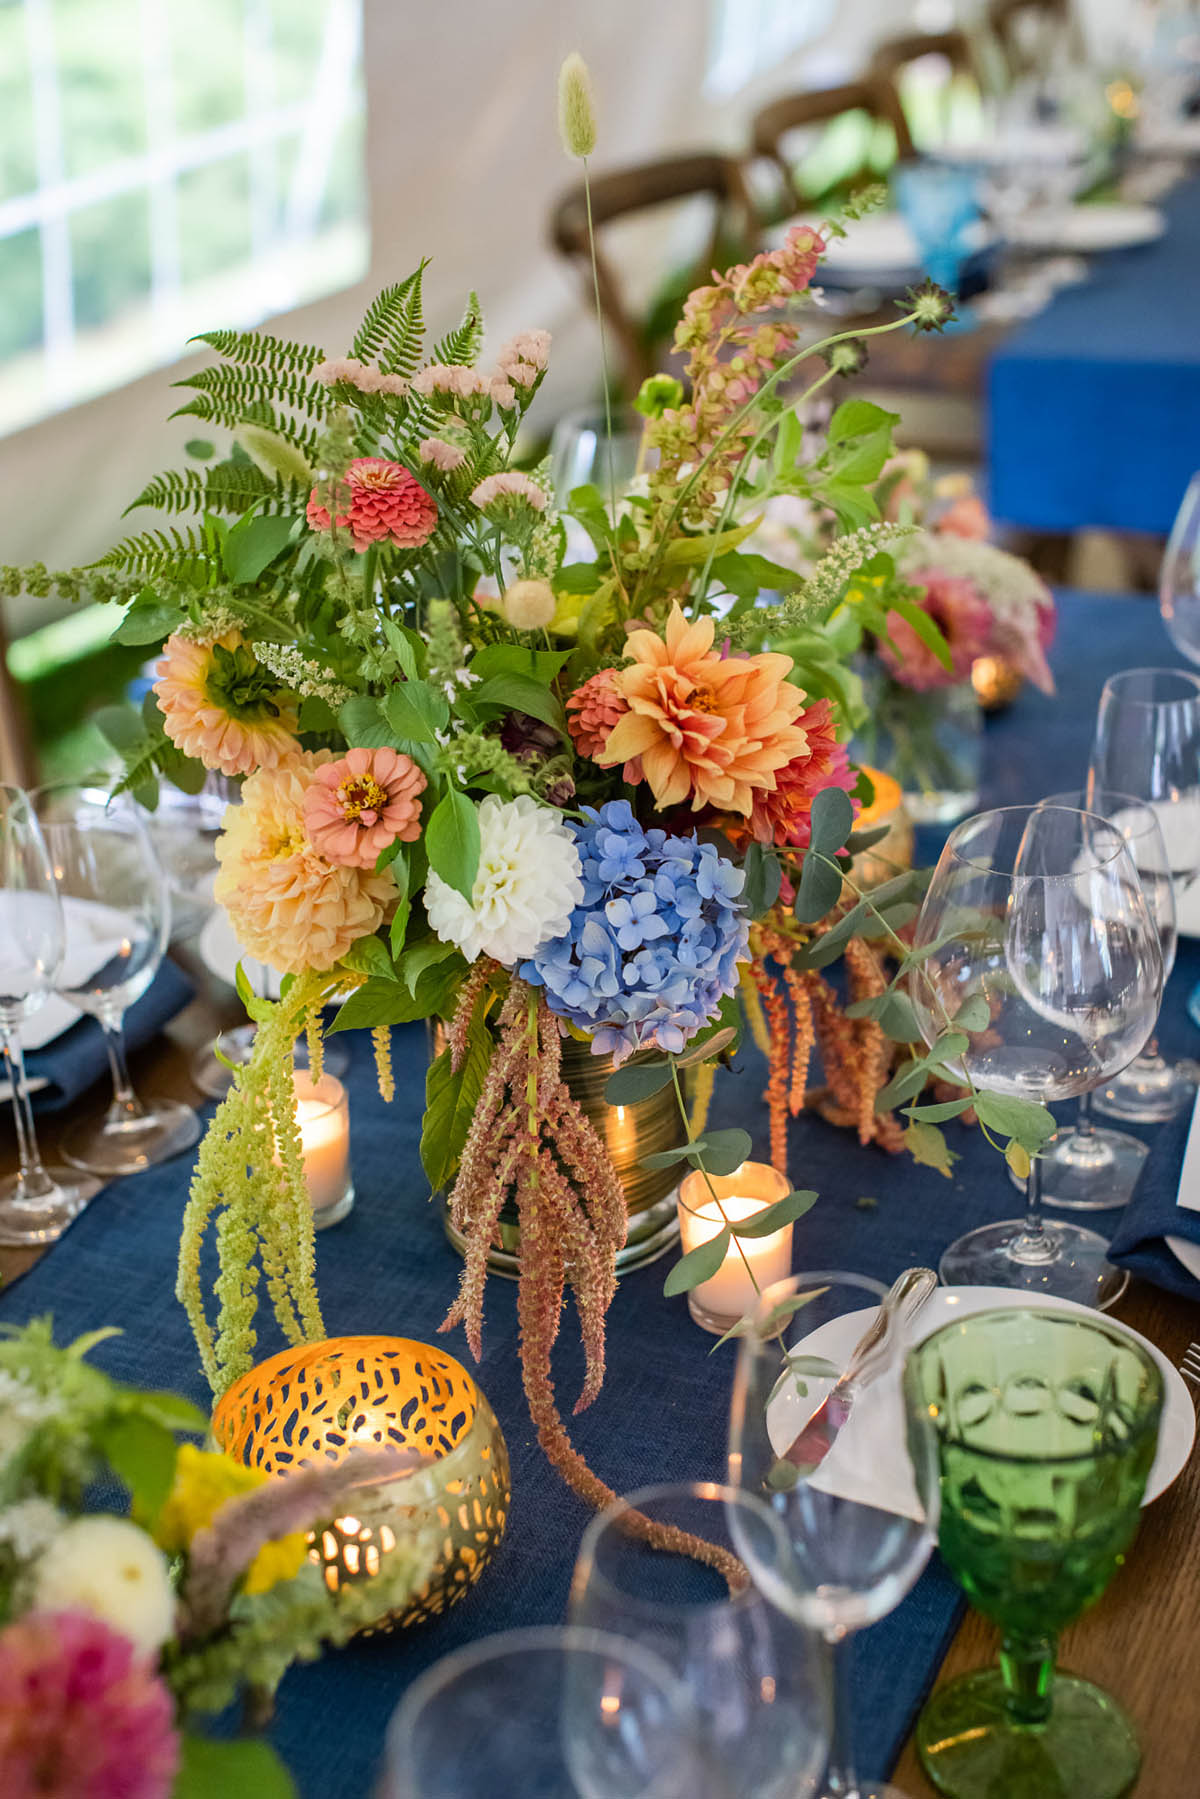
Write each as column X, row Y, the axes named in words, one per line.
column 320, row 1402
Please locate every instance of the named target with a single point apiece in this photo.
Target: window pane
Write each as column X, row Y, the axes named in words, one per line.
column 100, row 84
column 214, row 218
column 21, row 313
column 18, row 163
column 110, row 259
column 207, row 57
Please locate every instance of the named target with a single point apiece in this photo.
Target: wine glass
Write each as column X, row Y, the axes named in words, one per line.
column 1036, row 911
column 1046, row 1426
column 117, row 914
column 582, row 453
column 857, row 1526
column 37, row 1203
column 759, row 1681
column 1087, row 1168
column 547, row 1713
column 1179, row 576
column 1147, row 743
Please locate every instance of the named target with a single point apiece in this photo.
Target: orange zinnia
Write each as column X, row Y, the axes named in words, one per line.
column 711, row 728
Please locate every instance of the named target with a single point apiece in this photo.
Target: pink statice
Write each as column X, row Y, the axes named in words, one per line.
column 383, row 504
column 509, row 484
column 451, row 380
column 503, row 393
column 441, row 455
column 357, row 806
column 348, row 370
column 82, row 1716
column 531, row 348
column 961, row 613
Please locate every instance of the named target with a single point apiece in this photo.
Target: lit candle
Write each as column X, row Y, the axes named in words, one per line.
column 323, row 1117
column 751, row 1264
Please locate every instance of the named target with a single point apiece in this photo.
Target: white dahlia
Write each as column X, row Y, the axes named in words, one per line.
column 527, row 886
column 110, row 1569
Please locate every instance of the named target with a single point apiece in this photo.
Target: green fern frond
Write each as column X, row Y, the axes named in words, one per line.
column 240, row 388
column 463, row 344
column 217, row 409
column 389, row 317
column 226, row 487
column 279, row 355
column 181, row 553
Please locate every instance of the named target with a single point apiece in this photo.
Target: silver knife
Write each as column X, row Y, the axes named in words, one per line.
column 901, row 1303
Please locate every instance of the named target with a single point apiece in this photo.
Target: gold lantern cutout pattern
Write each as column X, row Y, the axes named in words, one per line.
column 322, row 1401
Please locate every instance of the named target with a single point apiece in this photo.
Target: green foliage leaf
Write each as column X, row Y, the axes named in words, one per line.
column 637, row 1080
column 170, row 1410
column 246, row 1768
column 274, row 455
column 938, row 1114
column 450, row 1103
column 793, row 1205
column 389, row 1002
column 363, row 724
column 974, row 1014
column 699, row 1264
column 369, row 956
column 200, row 448
column 521, row 693
column 893, row 1013
column 923, row 626
column 452, row 841
column 148, row 619
column 907, row 1081
column 819, row 890
column 141, row 1453
column 858, row 841
column 705, row 1048
column 416, row 711
column 721, row 1152
column 746, row 575
column 422, row 956
column 252, row 544
column 832, row 820
column 764, row 877
column 514, row 659
column 1024, row 1120
column 926, row 1145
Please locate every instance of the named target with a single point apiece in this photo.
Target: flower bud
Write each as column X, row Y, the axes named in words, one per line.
column 529, row 605
column 576, row 114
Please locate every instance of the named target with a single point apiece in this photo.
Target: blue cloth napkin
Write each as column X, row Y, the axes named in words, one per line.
column 1152, row 1214
column 78, row 1059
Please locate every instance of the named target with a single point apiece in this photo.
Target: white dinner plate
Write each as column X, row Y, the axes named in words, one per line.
column 1038, row 145
column 1177, row 137
column 869, row 1462
column 1186, row 1252
column 220, row 952
column 1087, row 230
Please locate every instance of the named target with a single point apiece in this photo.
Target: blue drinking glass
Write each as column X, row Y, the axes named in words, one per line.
column 938, row 202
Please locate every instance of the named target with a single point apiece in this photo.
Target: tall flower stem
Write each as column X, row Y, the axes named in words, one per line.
column 608, row 430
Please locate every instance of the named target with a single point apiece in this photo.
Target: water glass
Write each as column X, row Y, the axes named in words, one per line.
column 759, row 1680
column 938, row 201
column 1179, row 576
column 1046, row 1425
column 547, row 1714
column 853, row 1544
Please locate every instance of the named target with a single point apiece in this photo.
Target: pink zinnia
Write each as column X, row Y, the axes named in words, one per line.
column 81, row 1715
column 386, row 505
column 964, row 618
column 357, row 806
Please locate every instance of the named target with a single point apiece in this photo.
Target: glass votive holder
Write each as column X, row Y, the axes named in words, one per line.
column 323, row 1118
column 751, row 1264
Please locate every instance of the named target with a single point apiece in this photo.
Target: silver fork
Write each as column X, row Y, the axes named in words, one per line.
column 1189, row 1367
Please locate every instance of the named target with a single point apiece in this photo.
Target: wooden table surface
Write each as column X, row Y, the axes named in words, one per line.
column 1141, row 1642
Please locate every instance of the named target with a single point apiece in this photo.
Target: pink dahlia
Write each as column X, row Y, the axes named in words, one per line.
column 783, row 814
column 357, row 806
column 964, row 618
column 966, row 516
column 81, row 1715
column 593, row 710
column 385, row 505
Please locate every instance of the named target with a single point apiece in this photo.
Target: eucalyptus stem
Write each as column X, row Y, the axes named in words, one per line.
column 716, row 1198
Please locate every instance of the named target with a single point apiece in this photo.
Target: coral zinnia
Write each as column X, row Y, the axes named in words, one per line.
column 783, row 814
column 385, row 504
column 357, row 806
column 964, row 618
column 593, row 711
column 81, row 1715
column 219, row 704
column 289, row 905
column 712, row 728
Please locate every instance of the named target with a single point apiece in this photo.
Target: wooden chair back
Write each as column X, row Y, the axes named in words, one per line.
column 626, row 192
column 792, row 112
column 1021, row 48
column 894, row 55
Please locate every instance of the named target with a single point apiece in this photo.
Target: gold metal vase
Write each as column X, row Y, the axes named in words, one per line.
column 628, row 1133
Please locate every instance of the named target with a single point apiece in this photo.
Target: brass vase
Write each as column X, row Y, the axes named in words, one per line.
column 628, row 1133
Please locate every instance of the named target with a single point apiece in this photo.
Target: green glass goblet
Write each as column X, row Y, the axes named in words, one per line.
column 1047, row 1424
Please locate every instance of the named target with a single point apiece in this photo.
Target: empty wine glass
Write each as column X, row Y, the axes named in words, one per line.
column 857, row 1530
column 117, row 916
column 1089, row 1168
column 1047, row 1424
column 1179, row 576
column 583, row 454
column 1147, row 742
column 759, row 1681
column 548, row 1714
column 37, row 1203
column 1036, row 911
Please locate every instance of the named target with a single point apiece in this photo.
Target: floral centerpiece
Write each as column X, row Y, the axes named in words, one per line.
column 525, row 796
column 120, row 1634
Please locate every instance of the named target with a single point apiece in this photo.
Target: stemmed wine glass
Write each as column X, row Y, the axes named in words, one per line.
column 547, row 1713
column 1090, row 1168
column 1037, row 911
column 856, row 1531
column 37, row 1203
column 117, row 913
column 1147, row 743
column 758, row 1679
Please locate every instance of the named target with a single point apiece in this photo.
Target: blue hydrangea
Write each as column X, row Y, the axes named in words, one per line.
column 654, row 945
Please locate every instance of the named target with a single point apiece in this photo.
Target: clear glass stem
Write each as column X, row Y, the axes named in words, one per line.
column 125, row 1106
column 35, row 1183
column 1034, row 1243
column 1027, row 1669
column 841, row 1781
column 1083, row 1148
column 1149, row 1062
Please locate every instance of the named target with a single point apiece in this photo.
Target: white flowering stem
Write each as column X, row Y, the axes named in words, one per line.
column 608, row 430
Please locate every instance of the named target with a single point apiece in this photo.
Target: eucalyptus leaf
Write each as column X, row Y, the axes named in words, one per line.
column 699, row 1264
column 785, row 1211
column 820, row 887
column 764, row 877
column 974, row 1014
column 721, row 1152
column 635, row 1081
column 832, row 818
column 1023, row 1119
column 938, row 1114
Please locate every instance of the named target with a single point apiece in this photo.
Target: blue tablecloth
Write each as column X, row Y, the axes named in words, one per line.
column 1095, row 404
column 661, row 1415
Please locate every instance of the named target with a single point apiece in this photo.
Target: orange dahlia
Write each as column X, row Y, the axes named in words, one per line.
column 713, row 729
column 288, row 905
column 384, row 504
column 219, row 704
